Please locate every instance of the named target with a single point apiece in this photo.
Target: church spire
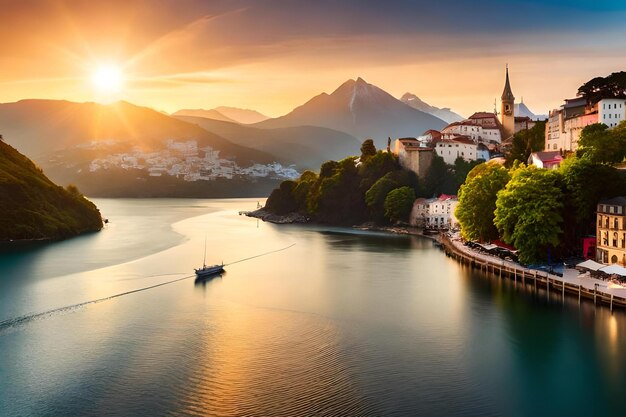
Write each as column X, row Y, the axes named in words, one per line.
column 507, row 94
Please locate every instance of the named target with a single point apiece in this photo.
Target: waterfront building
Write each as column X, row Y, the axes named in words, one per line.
column 414, row 155
column 435, row 213
column 611, row 231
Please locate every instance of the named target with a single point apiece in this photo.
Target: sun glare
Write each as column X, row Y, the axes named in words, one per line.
column 107, row 79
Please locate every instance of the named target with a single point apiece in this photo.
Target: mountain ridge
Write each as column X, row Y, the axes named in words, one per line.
column 360, row 109
column 444, row 113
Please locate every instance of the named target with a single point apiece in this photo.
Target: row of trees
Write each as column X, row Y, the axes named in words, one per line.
column 371, row 187
column 536, row 210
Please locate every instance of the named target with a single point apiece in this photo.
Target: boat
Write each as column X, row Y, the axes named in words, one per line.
column 207, row 271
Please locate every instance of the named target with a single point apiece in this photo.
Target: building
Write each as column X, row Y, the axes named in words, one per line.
column 611, row 111
column 435, row 213
column 507, row 111
column 487, row 128
column 413, row 155
column 566, row 123
column 611, row 231
column 460, row 146
column 547, row 160
column 481, row 127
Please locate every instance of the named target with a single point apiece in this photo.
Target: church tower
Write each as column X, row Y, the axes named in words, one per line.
column 508, row 108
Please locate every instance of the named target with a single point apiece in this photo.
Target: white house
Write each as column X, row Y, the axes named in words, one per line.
column 611, row 111
column 461, row 146
column 435, row 213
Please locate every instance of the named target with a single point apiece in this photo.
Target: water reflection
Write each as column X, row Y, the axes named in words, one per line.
column 342, row 323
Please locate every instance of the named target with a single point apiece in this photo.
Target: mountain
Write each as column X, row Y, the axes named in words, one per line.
column 362, row 110
column 444, row 113
column 209, row 114
column 40, row 128
column 306, row 146
column 521, row 110
column 244, row 116
column 33, row 207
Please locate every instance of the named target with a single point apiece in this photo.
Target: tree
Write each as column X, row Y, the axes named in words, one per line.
column 375, row 167
column 398, row 204
column 439, row 178
column 281, row 200
column 375, row 196
column 601, row 145
column 367, row 149
column 612, row 86
column 477, row 201
column 526, row 142
column 529, row 212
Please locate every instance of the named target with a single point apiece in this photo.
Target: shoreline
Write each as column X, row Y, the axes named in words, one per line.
column 580, row 285
column 297, row 218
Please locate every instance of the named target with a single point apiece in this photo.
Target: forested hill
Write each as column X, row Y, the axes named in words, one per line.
column 33, row 207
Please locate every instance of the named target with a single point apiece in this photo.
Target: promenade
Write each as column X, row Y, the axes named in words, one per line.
column 572, row 282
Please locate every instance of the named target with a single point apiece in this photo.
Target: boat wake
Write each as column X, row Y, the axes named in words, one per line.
column 22, row 320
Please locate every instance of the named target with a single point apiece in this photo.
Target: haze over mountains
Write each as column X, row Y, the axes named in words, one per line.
column 362, row 110
column 226, row 114
column 73, row 141
column 444, row 114
column 38, row 128
column 305, row 146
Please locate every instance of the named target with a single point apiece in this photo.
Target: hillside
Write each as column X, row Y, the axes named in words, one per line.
column 305, row 146
column 67, row 124
column 244, row 116
column 362, row 110
column 33, row 207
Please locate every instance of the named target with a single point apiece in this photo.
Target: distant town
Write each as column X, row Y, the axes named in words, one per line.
column 184, row 159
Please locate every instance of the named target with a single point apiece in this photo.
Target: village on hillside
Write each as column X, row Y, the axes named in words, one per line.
column 488, row 136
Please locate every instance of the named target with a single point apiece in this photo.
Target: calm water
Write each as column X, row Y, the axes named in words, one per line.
column 341, row 323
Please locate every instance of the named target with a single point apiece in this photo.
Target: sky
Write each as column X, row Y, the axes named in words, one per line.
column 273, row 55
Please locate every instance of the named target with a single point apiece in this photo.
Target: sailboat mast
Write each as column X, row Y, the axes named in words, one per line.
column 204, row 261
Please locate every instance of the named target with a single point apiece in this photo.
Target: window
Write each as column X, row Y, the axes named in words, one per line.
column 599, row 221
column 606, row 223
column 614, row 259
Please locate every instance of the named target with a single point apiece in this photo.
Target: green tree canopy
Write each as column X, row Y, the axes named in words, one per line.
column 477, row 201
column 602, row 145
column 529, row 212
column 525, row 142
column 281, row 200
column 375, row 196
column 375, row 167
column 398, row 204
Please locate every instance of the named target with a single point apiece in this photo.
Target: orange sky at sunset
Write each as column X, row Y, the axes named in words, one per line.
column 272, row 56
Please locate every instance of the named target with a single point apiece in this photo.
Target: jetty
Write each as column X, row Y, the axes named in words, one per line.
column 582, row 286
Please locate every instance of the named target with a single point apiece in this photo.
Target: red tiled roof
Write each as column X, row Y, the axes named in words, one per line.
column 483, row 115
column 444, row 197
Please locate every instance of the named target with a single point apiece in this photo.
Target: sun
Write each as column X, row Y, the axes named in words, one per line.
column 107, row 79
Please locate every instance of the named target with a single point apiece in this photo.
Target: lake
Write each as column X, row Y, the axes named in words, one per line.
column 329, row 321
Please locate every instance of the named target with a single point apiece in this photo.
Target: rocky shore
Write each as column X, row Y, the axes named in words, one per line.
column 289, row 218
column 297, row 218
